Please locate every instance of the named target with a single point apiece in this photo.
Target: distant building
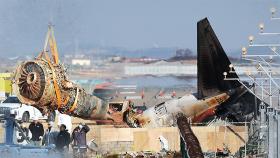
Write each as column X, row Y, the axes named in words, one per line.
column 161, row 68
column 115, row 59
column 81, row 62
column 141, row 60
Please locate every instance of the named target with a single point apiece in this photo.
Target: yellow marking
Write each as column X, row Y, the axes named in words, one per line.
column 73, row 107
column 66, row 100
column 56, row 87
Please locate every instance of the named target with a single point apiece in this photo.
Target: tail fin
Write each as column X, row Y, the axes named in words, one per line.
column 212, row 61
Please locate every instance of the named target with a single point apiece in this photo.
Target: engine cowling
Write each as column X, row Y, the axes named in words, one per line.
column 45, row 85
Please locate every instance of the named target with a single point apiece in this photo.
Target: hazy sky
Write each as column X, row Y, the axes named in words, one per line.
column 128, row 23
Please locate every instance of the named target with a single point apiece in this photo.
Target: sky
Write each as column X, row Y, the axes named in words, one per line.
column 131, row 24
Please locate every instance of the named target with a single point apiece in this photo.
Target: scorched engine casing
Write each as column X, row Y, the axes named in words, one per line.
column 44, row 85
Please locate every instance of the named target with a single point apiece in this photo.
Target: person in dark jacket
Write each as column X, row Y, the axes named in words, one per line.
column 37, row 130
column 63, row 139
column 80, row 140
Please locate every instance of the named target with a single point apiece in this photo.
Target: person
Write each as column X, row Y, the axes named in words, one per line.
column 80, row 141
column 63, row 139
column 37, row 131
column 50, row 135
column 164, row 144
column 23, row 134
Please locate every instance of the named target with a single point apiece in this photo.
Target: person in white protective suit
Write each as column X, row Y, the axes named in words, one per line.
column 163, row 144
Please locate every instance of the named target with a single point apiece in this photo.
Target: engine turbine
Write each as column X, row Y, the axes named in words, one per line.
column 45, row 85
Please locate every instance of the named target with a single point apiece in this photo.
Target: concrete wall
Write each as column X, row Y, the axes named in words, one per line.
column 114, row 140
column 143, row 139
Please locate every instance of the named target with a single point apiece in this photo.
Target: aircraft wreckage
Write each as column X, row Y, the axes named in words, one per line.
column 215, row 96
column 43, row 83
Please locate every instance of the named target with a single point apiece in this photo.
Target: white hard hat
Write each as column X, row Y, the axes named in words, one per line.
column 35, row 118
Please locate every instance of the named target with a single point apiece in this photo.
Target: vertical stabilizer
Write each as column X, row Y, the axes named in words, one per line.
column 212, row 62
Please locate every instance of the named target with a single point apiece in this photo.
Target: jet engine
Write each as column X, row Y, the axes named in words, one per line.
column 44, row 85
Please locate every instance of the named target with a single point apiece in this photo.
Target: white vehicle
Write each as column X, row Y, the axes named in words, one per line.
column 21, row 111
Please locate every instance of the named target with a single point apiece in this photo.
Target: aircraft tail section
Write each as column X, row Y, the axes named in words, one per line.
column 212, row 62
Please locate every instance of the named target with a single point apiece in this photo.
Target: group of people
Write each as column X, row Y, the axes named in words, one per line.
column 61, row 138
